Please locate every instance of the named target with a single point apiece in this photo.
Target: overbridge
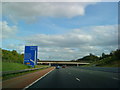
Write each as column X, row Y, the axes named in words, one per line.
column 62, row 63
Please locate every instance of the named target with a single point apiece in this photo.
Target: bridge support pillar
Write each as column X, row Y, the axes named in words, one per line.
column 77, row 65
column 49, row 64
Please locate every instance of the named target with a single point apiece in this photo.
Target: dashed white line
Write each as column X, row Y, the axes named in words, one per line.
column 77, row 79
column 115, row 78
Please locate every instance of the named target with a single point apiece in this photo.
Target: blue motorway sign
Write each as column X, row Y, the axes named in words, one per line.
column 30, row 55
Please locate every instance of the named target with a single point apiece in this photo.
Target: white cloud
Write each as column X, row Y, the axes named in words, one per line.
column 72, row 45
column 60, row 1
column 66, row 40
column 31, row 11
column 17, row 47
column 106, row 35
column 8, row 31
column 94, row 36
column 77, row 43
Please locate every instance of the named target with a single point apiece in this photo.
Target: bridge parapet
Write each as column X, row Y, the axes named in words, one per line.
column 62, row 63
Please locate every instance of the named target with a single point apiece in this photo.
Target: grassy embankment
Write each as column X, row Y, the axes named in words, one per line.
column 105, row 63
column 0, row 66
column 12, row 61
column 105, row 60
column 6, row 66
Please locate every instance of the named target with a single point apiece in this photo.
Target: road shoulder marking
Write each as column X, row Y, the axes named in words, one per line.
column 37, row 79
column 77, row 79
column 115, row 78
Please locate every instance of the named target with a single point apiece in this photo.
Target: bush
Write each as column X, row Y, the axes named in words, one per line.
column 12, row 56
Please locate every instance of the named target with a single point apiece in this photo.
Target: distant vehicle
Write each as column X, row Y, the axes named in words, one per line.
column 57, row 67
column 63, row 66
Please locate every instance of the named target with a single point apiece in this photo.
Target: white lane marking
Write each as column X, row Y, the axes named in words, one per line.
column 78, row 79
column 115, row 78
column 37, row 80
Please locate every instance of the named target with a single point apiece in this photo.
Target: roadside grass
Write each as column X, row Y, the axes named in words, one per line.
column 112, row 64
column 115, row 63
column 9, row 76
column 6, row 66
column 0, row 65
column 39, row 66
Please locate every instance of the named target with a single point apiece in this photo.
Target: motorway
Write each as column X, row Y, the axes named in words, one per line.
column 79, row 77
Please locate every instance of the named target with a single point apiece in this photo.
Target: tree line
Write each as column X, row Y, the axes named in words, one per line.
column 103, row 59
column 12, row 56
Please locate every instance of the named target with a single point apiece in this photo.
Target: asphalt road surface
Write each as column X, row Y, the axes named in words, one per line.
column 76, row 77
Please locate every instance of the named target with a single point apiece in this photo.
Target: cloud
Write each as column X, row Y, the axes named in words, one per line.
column 61, row 1
column 72, row 45
column 18, row 47
column 31, row 11
column 66, row 40
column 77, row 43
column 104, row 35
column 8, row 31
column 94, row 36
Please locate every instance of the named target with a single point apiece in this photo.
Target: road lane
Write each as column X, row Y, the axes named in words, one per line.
column 73, row 77
column 96, row 79
column 24, row 80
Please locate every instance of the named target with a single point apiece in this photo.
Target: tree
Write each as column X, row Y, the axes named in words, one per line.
column 117, row 54
column 12, row 56
column 103, row 55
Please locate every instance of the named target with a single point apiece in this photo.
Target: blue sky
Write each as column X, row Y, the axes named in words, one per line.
column 63, row 31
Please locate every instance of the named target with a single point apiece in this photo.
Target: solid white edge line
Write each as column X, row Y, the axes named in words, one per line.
column 78, row 79
column 37, row 79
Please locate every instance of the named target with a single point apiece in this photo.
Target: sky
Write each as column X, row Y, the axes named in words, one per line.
column 61, row 30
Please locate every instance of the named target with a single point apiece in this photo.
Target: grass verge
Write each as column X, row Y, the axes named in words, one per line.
column 9, row 76
column 6, row 66
column 115, row 63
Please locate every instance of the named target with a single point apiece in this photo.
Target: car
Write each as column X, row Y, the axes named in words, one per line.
column 57, row 67
column 63, row 66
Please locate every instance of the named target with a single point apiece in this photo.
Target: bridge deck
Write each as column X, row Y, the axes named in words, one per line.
column 62, row 63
